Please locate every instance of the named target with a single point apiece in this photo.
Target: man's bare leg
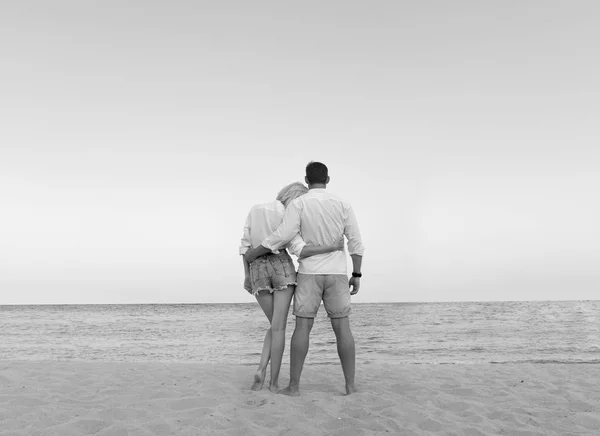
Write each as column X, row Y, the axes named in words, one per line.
column 298, row 352
column 281, row 307
column 265, row 300
column 346, row 351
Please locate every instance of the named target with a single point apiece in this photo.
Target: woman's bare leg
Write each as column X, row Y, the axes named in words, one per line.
column 281, row 307
column 265, row 300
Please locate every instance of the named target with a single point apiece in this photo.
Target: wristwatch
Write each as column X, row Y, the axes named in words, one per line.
column 357, row 275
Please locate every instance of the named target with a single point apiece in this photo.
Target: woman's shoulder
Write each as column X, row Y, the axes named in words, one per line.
column 274, row 206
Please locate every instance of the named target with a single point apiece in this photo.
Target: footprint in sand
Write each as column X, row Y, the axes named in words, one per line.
column 256, row 403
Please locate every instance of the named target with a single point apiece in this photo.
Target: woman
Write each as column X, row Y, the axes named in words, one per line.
column 272, row 278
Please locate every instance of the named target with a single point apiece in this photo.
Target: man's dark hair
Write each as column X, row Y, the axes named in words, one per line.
column 316, row 172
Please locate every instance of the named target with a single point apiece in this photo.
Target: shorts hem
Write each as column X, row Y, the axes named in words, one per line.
column 271, row 290
column 303, row 315
column 336, row 315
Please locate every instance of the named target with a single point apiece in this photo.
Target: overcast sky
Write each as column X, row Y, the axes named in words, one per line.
column 135, row 137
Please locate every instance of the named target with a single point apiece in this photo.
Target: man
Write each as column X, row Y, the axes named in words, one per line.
column 321, row 218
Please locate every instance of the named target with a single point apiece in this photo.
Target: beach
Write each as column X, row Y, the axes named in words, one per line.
column 125, row 398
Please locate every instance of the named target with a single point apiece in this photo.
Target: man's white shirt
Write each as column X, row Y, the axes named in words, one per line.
column 320, row 218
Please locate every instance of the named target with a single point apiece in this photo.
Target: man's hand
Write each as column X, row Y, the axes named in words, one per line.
column 250, row 255
column 247, row 284
column 254, row 253
column 354, row 283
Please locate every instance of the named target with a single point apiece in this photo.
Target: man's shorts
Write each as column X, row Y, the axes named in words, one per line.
column 331, row 288
column 272, row 272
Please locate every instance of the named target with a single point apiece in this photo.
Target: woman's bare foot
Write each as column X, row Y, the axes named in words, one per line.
column 350, row 389
column 274, row 387
column 291, row 391
column 259, row 379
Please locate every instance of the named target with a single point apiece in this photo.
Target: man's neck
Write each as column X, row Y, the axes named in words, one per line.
column 317, row 186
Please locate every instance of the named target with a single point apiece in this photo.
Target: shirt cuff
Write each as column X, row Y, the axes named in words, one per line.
column 270, row 247
column 244, row 249
column 296, row 249
column 356, row 250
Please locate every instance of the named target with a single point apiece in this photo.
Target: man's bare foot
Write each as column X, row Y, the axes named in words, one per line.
column 259, row 379
column 290, row 391
column 350, row 389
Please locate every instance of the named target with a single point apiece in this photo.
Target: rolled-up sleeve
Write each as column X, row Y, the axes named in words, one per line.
column 245, row 243
column 352, row 232
column 296, row 245
column 289, row 227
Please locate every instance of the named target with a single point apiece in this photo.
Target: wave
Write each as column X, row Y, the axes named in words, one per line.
column 549, row 361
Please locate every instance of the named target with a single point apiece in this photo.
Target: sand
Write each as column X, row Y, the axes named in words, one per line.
column 82, row 398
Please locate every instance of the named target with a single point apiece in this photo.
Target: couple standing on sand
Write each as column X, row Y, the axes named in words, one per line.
column 310, row 223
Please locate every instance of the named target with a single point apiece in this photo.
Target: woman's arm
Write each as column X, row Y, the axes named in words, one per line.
column 311, row 250
column 246, row 245
column 307, row 250
column 247, row 284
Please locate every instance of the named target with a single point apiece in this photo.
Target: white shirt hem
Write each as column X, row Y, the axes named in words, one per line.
column 324, row 273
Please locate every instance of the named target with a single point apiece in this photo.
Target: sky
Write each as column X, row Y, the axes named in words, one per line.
column 135, row 137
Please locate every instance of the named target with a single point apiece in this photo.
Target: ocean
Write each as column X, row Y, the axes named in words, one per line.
column 405, row 333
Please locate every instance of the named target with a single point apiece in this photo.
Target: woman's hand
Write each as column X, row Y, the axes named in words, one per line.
column 247, row 284
column 338, row 245
column 312, row 250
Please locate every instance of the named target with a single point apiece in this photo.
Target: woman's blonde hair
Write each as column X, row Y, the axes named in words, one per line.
column 291, row 192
